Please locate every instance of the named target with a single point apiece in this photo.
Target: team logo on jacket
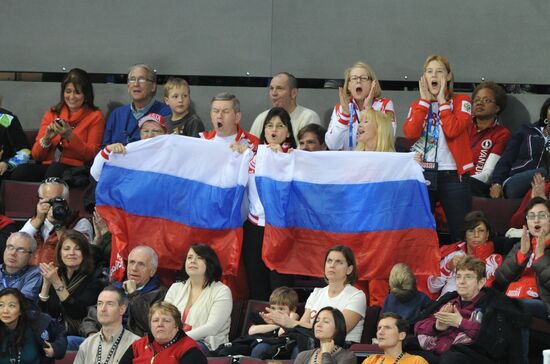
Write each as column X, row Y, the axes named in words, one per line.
column 487, row 144
column 466, row 107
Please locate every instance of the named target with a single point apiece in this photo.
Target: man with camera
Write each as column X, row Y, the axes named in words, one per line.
column 52, row 218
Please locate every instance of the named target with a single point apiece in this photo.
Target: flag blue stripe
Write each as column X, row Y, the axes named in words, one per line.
column 353, row 208
column 159, row 195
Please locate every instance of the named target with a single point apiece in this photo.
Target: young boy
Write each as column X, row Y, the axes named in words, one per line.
column 183, row 121
column 282, row 299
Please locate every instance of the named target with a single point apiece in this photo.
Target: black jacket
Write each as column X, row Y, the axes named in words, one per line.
column 523, row 152
column 499, row 337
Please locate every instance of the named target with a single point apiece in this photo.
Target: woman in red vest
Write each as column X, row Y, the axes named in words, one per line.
column 166, row 343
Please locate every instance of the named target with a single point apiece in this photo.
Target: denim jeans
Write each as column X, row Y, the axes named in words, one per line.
column 519, row 184
column 456, row 199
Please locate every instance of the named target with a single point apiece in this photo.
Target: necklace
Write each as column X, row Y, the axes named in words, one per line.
column 165, row 346
column 16, row 360
column 332, row 352
column 111, row 352
column 396, row 359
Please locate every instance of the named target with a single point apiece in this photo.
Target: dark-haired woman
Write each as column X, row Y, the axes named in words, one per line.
column 204, row 301
column 70, row 283
column 341, row 275
column 70, row 133
column 330, row 336
column 525, row 154
column 27, row 336
column 475, row 242
column 278, row 135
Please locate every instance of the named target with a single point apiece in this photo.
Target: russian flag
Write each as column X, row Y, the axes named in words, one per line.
column 169, row 192
column 375, row 203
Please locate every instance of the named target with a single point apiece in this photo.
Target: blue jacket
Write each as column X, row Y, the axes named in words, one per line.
column 28, row 281
column 122, row 126
column 523, row 152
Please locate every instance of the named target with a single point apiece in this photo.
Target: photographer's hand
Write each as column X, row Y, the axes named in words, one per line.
column 42, row 208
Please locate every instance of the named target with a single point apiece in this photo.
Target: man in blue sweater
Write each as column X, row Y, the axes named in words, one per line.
column 122, row 125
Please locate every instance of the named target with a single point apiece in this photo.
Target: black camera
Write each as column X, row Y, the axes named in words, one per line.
column 60, row 209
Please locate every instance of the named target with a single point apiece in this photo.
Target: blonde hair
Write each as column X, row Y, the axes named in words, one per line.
column 445, row 62
column 370, row 73
column 284, row 296
column 402, row 281
column 173, row 83
column 385, row 140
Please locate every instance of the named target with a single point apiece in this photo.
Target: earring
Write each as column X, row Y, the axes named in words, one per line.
column 545, row 121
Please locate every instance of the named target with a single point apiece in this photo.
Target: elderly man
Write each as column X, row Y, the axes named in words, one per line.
column 143, row 288
column 52, row 218
column 122, row 125
column 283, row 92
column 391, row 332
column 111, row 342
column 16, row 271
column 226, row 114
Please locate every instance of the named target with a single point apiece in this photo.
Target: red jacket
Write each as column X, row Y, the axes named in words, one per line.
column 88, row 126
column 144, row 353
column 455, row 118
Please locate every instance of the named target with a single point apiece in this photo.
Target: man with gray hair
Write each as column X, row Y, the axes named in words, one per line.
column 16, row 271
column 225, row 114
column 283, row 92
column 122, row 125
column 143, row 288
column 52, row 218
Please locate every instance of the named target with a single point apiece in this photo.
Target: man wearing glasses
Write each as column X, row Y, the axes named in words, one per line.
column 16, row 271
column 122, row 125
column 283, row 92
column 46, row 227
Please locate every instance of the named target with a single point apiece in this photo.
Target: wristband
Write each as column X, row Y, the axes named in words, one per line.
column 43, row 298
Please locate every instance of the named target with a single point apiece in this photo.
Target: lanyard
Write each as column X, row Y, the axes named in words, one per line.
column 351, row 120
column 111, row 352
column 435, row 133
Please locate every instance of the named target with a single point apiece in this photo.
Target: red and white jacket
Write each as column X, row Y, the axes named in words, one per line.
column 446, row 281
column 242, row 137
column 487, row 147
column 455, row 121
column 337, row 135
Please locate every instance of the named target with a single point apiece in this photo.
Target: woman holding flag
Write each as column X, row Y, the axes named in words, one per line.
column 439, row 124
column 278, row 135
column 361, row 91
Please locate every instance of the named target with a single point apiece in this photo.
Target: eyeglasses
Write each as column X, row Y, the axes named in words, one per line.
column 468, row 277
column 140, row 80
column 484, row 101
column 57, row 180
column 359, row 78
column 19, row 250
column 275, row 126
column 541, row 216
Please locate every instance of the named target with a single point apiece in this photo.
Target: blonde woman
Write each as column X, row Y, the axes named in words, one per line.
column 375, row 132
column 361, row 91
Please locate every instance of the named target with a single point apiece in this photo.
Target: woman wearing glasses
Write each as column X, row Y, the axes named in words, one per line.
column 70, row 133
column 475, row 242
column 525, row 273
column 361, row 91
column 526, row 154
column 487, row 137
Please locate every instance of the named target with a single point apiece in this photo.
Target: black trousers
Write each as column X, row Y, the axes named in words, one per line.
column 261, row 280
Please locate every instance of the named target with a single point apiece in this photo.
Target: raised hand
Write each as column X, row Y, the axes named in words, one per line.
column 368, row 101
column 525, row 244
column 344, row 107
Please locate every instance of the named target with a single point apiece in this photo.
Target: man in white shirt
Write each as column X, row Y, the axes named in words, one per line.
column 283, row 92
column 111, row 342
column 52, row 218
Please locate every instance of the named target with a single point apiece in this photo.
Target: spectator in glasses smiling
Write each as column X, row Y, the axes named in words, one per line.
column 122, row 125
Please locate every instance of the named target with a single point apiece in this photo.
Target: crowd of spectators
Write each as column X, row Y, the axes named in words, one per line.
column 55, row 291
